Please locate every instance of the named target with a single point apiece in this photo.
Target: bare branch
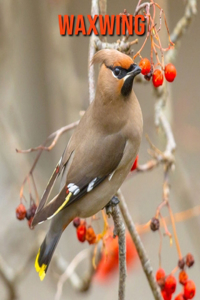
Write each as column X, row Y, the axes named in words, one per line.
column 55, row 136
column 92, row 50
column 119, row 45
column 79, row 283
column 7, row 274
column 12, row 277
column 141, row 6
column 40, row 148
column 119, row 230
column 184, row 22
column 151, row 164
column 171, row 145
column 148, row 270
column 69, row 272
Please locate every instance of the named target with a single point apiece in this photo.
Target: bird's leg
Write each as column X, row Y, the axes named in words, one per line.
column 109, row 207
column 113, row 202
column 109, row 210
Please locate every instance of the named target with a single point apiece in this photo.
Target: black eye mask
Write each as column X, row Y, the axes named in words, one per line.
column 120, row 72
column 131, row 72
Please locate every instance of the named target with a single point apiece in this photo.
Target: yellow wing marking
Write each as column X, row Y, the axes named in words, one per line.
column 64, row 203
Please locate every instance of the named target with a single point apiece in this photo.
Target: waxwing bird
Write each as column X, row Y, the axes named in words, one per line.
column 99, row 154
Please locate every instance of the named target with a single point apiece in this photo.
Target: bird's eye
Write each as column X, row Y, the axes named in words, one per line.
column 116, row 71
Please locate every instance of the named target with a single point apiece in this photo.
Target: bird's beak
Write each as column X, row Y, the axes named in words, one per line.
column 135, row 70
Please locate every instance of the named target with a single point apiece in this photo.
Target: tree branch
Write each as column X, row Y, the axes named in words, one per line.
column 7, row 274
column 120, row 45
column 92, row 50
column 79, row 283
column 55, row 136
column 184, row 22
column 119, row 230
column 148, row 270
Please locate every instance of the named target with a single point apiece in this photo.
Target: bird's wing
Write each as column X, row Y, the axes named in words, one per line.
column 58, row 169
column 86, row 168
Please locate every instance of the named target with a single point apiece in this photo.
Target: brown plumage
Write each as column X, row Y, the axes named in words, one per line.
column 99, row 154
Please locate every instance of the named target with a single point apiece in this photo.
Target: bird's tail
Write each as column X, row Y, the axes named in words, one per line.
column 45, row 254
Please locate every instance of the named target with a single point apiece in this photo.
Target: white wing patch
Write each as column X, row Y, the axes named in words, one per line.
column 73, row 188
column 91, row 185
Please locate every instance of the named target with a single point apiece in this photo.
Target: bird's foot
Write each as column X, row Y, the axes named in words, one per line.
column 113, row 202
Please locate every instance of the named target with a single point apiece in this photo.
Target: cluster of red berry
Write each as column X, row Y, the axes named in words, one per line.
column 22, row 212
column 84, row 232
column 168, row 283
column 157, row 75
column 108, row 265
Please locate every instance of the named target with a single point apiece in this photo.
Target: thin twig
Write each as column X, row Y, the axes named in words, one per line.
column 148, row 270
column 70, row 270
column 141, row 6
column 79, row 283
column 55, row 136
column 178, row 217
column 171, row 144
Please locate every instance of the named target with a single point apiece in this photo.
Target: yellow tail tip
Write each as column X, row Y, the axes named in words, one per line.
column 42, row 272
column 40, row 269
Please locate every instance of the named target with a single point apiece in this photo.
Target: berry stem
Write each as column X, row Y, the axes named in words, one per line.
column 166, row 197
column 35, row 189
column 160, row 248
column 166, row 229
column 174, row 270
column 174, row 231
column 147, row 36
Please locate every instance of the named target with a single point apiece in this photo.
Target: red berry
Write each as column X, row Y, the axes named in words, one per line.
column 145, row 65
column 170, row 72
column 189, row 289
column 76, row 222
column 135, row 164
column 189, row 260
column 179, row 297
column 183, row 277
column 160, row 274
column 90, row 235
column 110, row 256
column 81, row 232
column 157, row 78
column 21, row 212
column 166, row 296
column 170, row 284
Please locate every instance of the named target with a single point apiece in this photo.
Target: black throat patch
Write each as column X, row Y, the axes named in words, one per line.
column 127, row 86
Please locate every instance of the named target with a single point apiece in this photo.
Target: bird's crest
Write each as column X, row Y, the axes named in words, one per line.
column 111, row 57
